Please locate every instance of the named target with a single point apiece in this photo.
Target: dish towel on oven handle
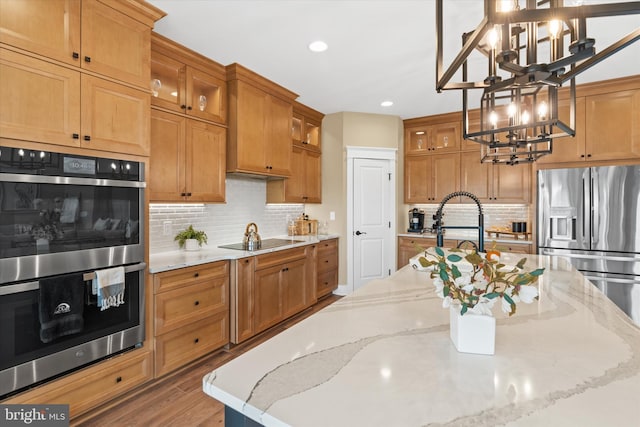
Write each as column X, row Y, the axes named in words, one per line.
column 108, row 285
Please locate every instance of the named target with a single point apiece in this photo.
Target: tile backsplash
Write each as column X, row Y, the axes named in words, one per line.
column 224, row 222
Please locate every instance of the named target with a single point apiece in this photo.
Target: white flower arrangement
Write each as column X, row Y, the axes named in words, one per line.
column 475, row 281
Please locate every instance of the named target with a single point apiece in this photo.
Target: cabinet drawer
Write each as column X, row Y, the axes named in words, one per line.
column 184, row 305
column 280, row 257
column 97, row 384
column 328, row 246
column 516, row 248
column 327, row 261
column 181, row 346
column 187, row 276
column 326, row 283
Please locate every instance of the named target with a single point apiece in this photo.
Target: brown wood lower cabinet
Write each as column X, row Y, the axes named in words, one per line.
column 515, row 247
column 267, row 289
column 95, row 385
column 410, row 246
column 327, row 267
column 191, row 314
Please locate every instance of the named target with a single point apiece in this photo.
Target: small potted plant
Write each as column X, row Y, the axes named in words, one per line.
column 191, row 239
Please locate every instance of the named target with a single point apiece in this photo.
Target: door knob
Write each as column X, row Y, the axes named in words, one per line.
column 359, row 233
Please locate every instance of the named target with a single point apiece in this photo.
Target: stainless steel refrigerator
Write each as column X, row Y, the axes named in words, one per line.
column 592, row 216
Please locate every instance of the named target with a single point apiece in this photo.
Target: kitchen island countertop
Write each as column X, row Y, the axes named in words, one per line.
column 172, row 260
column 382, row 356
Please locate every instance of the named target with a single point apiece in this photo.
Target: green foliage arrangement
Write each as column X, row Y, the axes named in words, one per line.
column 475, row 281
column 191, row 233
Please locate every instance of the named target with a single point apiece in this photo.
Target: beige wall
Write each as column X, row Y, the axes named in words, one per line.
column 340, row 130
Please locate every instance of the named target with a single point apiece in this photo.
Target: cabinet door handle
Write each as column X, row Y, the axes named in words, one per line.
column 119, row 379
column 196, row 303
column 196, row 341
column 75, row 136
column 184, row 107
column 75, row 55
column 87, row 59
column 188, row 194
column 189, row 108
column 87, row 138
column 196, row 274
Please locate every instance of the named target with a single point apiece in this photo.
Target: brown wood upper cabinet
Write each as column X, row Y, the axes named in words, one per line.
column 305, row 183
column 187, row 161
column 494, row 183
column 47, row 107
column 305, row 127
column 260, row 118
column 427, row 179
column 429, row 137
column 186, row 82
column 108, row 37
column 607, row 123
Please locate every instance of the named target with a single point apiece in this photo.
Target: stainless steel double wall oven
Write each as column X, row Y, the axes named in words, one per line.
column 64, row 217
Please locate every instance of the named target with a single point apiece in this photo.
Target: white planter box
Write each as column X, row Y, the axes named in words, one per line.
column 472, row 333
column 191, row 245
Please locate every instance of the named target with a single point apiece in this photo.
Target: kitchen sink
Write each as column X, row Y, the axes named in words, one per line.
column 266, row 244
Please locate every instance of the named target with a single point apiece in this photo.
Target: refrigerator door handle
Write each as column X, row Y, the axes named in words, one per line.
column 595, row 197
column 633, row 259
column 610, row 279
column 585, row 191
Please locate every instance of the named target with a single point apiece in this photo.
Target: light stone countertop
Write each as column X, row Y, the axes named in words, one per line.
column 382, row 356
column 172, row 260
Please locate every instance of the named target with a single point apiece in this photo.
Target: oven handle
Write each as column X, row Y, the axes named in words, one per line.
column 127, row 269
column 45, row 179
column 35, row 285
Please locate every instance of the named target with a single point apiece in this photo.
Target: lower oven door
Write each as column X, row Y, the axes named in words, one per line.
column 33, row 351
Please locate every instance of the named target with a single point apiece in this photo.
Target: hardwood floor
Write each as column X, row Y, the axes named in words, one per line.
column 178, row 400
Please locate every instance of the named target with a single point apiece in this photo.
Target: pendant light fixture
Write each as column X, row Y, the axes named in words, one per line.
column 518, row 116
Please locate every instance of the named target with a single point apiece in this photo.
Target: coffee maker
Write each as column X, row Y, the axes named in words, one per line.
column 416, row 220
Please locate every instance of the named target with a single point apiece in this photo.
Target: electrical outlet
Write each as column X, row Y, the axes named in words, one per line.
column 332, row 216
column 166, row 228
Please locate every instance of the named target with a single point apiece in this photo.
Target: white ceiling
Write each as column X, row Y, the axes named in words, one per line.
column 378, row 49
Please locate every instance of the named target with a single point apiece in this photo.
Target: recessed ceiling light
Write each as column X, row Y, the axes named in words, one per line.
column 318, row 46
column 386, row 103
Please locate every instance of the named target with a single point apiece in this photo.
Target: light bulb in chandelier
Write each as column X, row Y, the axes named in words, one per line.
column 493, row 119
column 542, row 110
column 492, row 38
column 507, row 5
column 553, row 27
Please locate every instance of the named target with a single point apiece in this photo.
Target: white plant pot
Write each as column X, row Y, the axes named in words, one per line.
column 472, row 333
column 191, row 245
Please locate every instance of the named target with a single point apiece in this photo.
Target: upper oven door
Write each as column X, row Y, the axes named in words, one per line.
column 55, row 224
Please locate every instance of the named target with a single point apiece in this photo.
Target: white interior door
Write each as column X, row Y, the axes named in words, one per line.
column 372, row 206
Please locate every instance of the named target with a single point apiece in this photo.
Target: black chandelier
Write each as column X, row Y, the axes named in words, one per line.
column 518, row 115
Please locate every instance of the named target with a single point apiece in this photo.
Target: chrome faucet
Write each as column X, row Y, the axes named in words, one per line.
column 438, row 220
